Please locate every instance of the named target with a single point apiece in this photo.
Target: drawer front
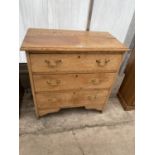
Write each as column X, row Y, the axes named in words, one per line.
column 66, row 99
column 72, row 81
column 74, row 62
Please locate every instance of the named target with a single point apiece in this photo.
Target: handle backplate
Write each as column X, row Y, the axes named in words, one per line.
column 53, row 63
column 102, row 63
column 53, row 82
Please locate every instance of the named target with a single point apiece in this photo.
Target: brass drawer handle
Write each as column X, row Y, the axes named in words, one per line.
column 91, row 98
column 96, row 81
column 102, row 63
column 53, row 63
column 53, row 99
column 53, row 82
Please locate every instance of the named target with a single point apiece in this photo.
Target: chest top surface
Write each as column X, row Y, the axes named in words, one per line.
column 67, row 40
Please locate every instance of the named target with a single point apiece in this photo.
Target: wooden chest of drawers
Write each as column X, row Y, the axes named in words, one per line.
column 71, row 68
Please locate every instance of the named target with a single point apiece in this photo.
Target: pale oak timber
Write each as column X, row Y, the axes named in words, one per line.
column 71, row 68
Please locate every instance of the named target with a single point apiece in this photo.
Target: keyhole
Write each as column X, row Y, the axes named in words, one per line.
column 76, row 76
column 79, row 56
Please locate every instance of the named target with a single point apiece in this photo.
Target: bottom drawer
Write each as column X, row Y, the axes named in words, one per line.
column 53, row 101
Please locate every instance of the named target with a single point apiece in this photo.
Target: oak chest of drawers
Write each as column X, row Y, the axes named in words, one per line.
column 71, row 68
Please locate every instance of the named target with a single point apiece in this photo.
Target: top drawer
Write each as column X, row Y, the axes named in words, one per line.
column 74, row 62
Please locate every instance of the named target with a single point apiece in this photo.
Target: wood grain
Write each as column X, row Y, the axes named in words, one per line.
column 67, row 99
column 62, row 63
column 126, row 92
column 61, row 76
column 64, row 40
column 32, row 83
column 114, row 79
column 72, row 81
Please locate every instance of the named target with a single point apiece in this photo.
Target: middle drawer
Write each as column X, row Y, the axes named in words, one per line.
column 72, row 81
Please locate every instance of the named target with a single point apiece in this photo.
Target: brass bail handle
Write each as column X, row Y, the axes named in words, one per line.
column 53, row 82
column 91, row 98
column 102, row 63
column 53, row 63
column 96, row 81
column 53, row 99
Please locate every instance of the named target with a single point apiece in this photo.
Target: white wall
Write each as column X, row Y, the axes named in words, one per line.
column 107, row 15
column 58, row 14
column 32, row 13
column 68, row 14
column 113, row 16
